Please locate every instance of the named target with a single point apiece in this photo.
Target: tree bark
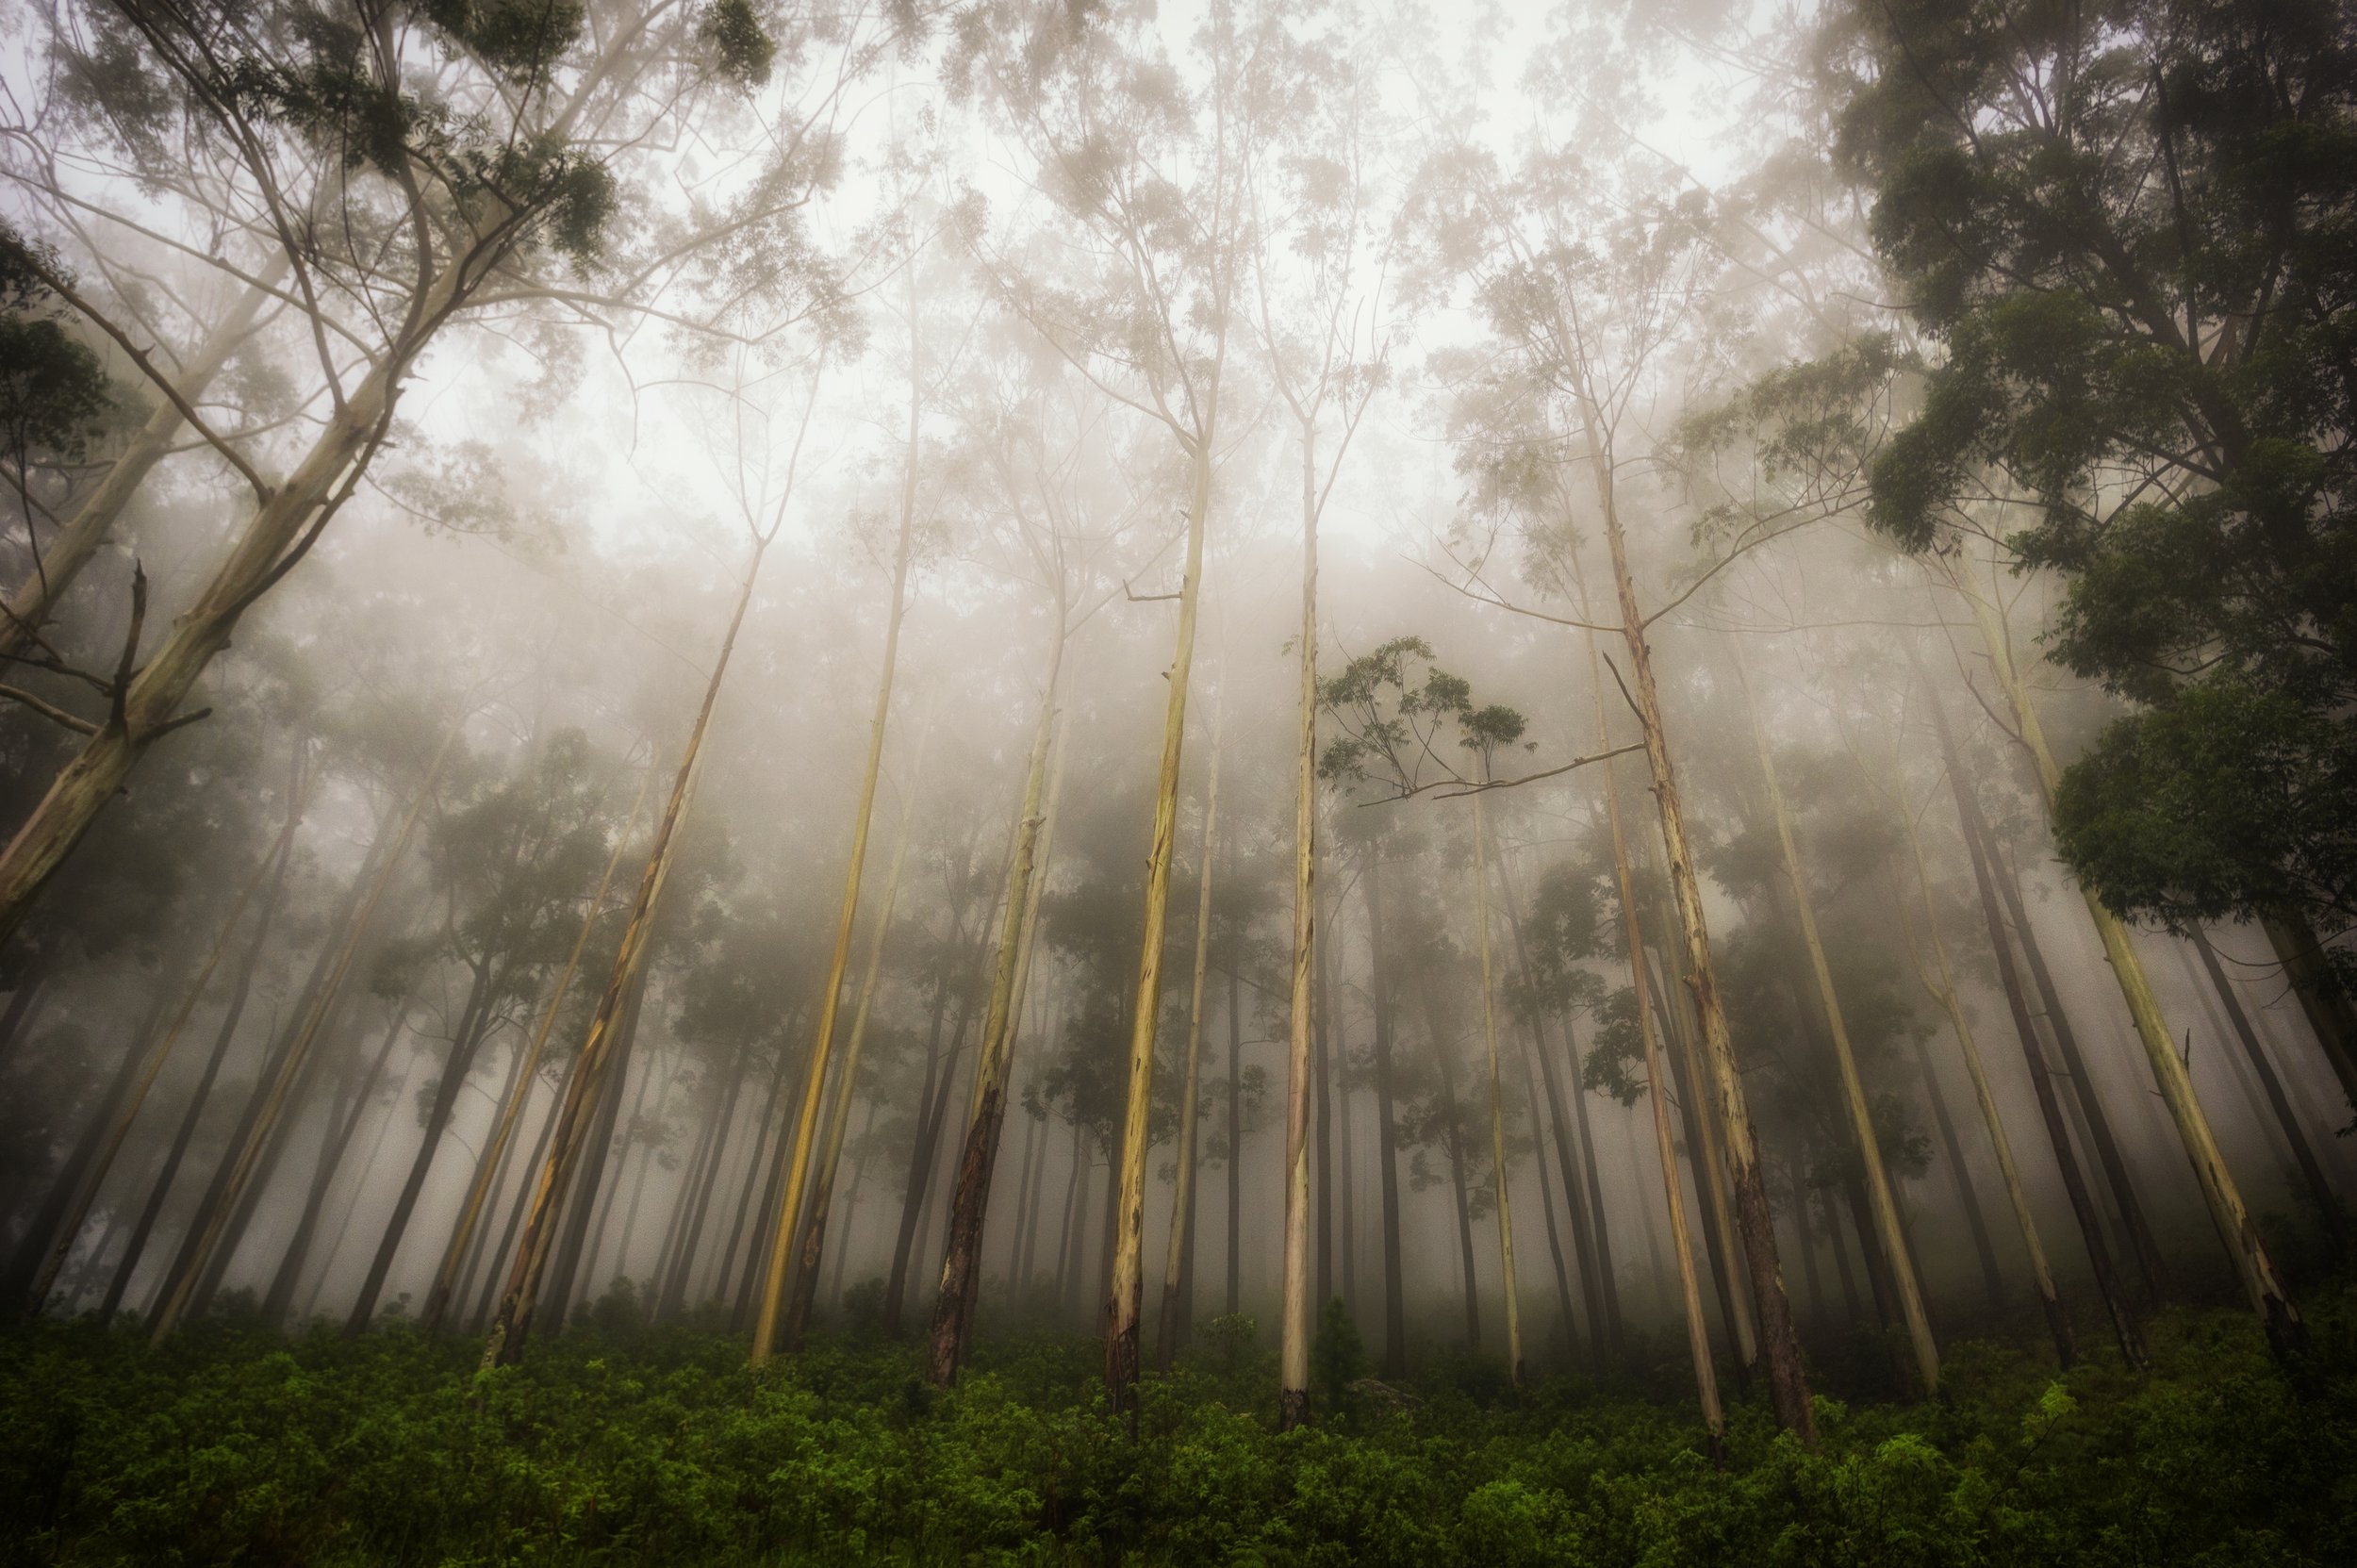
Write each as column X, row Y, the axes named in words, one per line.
column 1386, row 1124
column 71, row 548
column 1507, row 1285
column 2270, row 1298
column 2330, row 1218
column 1876, row 1178
column 1177, row 1285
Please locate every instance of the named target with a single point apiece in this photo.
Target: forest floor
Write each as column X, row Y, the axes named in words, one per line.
column 621, row 1444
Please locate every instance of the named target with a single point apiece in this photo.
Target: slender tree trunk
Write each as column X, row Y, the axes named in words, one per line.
column 2041, row 1078
column 2111, row 1158
column 359, row 1088
column 672, row 1296
column 1177, row 1285
column 1779, row 1347
column 1126, row 1297
column 798, row 1150
column 1968, row 1197
column 271, row 871
column 225, row 1035
column 1674, row 1196
column 2323, row 1000
column 1590, row 1241
column 48, row 1234
column 1702, row 1146
column 455, row 1069
column 504, row 1129
column 1876, row 1178
column 1294, row 1296
column 1507, row 1284
column 1235, row 1138
column 978, row 1160
column 74, row 544
column 211, row 1222
column 1537, row 1101
column 517, row 1299
column 802, row 1294
column 1386, row 1124
column 1943, row 985
column 584, row 1222
column 2327, row 1203
column 2270, row 1298
column 1347, row 1178
column 1453, row 1141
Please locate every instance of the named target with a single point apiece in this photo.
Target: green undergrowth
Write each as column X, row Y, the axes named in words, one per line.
column 618, row 1443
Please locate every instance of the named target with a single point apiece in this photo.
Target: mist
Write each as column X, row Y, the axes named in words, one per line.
column 1572, row 696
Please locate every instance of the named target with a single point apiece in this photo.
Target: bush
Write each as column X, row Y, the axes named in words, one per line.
column 624, row 1444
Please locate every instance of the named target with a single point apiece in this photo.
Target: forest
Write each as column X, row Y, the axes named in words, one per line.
column 1261, row 782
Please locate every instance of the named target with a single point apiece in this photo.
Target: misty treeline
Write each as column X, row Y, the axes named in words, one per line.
column 1625, row 683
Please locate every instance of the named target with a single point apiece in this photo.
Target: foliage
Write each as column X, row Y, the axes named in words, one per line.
column 622, row 1444
column 2126, row 229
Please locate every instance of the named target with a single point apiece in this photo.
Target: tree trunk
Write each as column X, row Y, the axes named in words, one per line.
column 456, row 1067
column 671, row 1298
column 1177, row 1285
column 933, row 1106
column 2322, row 999
column 1453, row 1138
column 1294, row 1296
column 361, row 1087
column 1876, row 1178
column 2270, row 1298
column 506, row 1342
column 797, row 1152
column 72, row 546
column 272, row 870
column 2127, row 1192
column 1387, row 1124
column 582, row 1220
column 495, row 1148
column 1125, row 1295
column 1508, row 1286
column 1235, row 1138
column 1673, row 1195
column 2329, row 1215
column 805, row 1289
column 978, row 1159
column 207, row 1230
column 1779, row 1347
column 2041, row 1079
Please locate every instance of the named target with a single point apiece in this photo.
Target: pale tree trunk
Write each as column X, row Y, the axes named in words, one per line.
column 1387, row 1127
column 1177, row 1281
column 1125, row 1300
column 805, row 1291
column 357, row 1088
column 2327, row 1006
column 148, row 707
column 271, row 868
column 797, row 1151
column 978, row 1157
column 2082, row 1208
column 1772, row 1309
column 1942, row 982
column 494, row 1150
column 2329, row 1214
column 1877, row 1179
column 1507, row 1284
column 209, row 1226
column 73, row 545
column 570, row 1122
column 2269, row 1296
column 1657, row 1081
column 1294, row 1311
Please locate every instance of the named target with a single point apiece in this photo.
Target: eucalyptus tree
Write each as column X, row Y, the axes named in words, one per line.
column 412, row 165
column 1038, row 486
column 1318, row 283
column 2120, row 235
column 511, row 868
column 1147, row 165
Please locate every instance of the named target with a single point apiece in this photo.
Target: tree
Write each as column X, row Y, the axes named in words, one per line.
column 1147, row 171
column 2119, row 232
column 402, row 199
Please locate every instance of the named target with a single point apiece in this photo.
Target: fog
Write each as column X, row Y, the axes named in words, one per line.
column 634, row 666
